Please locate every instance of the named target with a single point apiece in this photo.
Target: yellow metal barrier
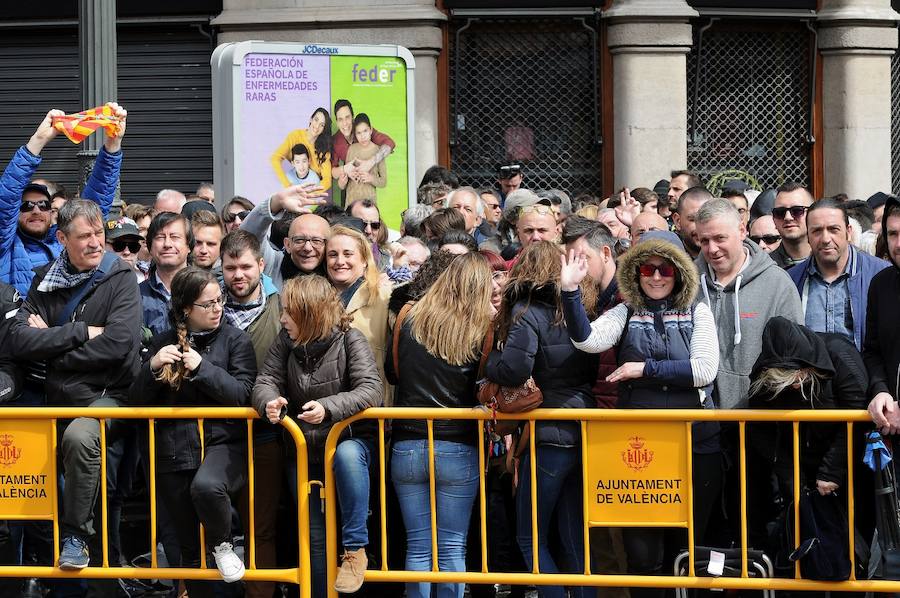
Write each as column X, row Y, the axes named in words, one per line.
column 679, row 417
column 14, row 419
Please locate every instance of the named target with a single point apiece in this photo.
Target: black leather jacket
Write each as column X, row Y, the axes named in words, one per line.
column 426, row 380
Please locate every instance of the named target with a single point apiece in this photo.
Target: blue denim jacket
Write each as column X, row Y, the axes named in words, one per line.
column 827, row 304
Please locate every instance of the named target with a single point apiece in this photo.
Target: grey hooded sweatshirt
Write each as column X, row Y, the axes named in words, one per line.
column 741, row 309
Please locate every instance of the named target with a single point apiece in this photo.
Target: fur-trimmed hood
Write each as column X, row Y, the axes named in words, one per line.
column 687, row 281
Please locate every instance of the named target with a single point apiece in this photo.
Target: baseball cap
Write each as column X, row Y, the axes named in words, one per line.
column 123, row 227
column 521, row 198
column 35, row 187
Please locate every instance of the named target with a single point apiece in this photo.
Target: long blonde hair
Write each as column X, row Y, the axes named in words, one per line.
column 314, row 306
column 454, row 315
column 372, row 277
column 774, row 381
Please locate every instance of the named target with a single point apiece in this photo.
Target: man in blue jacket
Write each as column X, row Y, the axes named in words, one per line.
column 26, row 238
column 834, row 280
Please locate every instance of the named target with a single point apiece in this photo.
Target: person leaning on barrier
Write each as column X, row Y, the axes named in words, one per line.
column 320, row 371
column 881, row 351
column 82, row 322
column 802, row 369
column 672, row 369
column 439, row 349
column 200, row 361
column 536, row 344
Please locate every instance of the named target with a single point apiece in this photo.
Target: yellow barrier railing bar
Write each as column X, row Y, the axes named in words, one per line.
column 154, row 561
column 851, row 523
column 584, row 501
column 54, row 492
column 296, row 575
column 744, row 582
column 689, row 443
column 251, row 502
column 742, row 433
column 796, row 447
column 532, row 452
column 432, row 496
column 382, row 489
column 202, row 531
column 104, row 498
column 482, row 499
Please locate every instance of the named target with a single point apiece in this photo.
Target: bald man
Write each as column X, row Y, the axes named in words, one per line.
column 169, row 200
column 644, row 222
column 304, row 245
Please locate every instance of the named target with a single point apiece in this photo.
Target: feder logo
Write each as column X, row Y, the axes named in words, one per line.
column 9, row 454
column 636, row 456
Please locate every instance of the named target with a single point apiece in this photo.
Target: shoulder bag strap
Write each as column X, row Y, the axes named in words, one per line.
column 485, row 351
column 395, row 349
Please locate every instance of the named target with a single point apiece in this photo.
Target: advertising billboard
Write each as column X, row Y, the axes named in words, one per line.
column 339, row 116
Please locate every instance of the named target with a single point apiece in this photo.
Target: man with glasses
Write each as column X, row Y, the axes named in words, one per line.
column 304, row 245
column 235, row 211
column 764, row 234
column 789, row 214
column 367, row 211
column 26, row 239
column 536, row 222
column 509, row 178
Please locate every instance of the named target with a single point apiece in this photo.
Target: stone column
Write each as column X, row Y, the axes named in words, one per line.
column 649, row 41
column 97, row 64
column 857, row 39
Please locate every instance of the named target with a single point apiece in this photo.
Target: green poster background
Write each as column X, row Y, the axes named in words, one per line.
column 384, row 101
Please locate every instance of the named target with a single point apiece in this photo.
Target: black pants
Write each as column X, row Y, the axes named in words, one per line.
column 649, row 550
column 204, row 496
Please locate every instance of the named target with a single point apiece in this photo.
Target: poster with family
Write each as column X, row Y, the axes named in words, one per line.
column 324, row 117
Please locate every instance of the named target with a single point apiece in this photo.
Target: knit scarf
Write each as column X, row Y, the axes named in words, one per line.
column 62, row 275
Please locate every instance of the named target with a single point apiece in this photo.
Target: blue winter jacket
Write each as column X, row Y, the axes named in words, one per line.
column 864, row 268
column 20, row 254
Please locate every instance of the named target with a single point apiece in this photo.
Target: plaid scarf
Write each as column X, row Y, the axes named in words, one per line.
column 241, row 315
column 60, row 277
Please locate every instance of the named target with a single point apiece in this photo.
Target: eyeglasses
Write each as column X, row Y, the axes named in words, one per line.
column 491, row 206
column 742, row 211
column 119, row 245
column 665, row 270
column 210, row 305
column 768, row 239
column 375, row 225
column 499, row 275
column 231, row 217
column 796, row 212
column 317, row 242
column 536, row 209
column 43, row 205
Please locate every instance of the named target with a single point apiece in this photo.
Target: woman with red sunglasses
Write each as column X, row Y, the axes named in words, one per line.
column 668, row 356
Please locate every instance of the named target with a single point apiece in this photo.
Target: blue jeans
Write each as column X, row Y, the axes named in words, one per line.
column 456, row 485
column 559, row 483
column 352, row 460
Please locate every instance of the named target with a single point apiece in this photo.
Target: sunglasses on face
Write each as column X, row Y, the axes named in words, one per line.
column 119, row 245
column 648, row 270
column 43, row 205
column 796, row 212
column 375, row 225
column 768, row 239
column 230, row 217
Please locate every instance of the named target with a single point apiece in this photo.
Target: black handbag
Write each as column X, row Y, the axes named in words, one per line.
column 823, row 551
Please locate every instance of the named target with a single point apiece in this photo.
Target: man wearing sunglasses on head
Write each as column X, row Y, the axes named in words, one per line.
column 125, row 240
column 26, row 239
column 789, row 214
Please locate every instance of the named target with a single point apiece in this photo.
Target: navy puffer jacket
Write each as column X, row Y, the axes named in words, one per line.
column 538, row 345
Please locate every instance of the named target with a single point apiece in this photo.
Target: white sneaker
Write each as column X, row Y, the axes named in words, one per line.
column 228, row 563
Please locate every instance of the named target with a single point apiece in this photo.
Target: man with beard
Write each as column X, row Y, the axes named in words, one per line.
column 685, row 216
column 26, row 238
column 253, row 305
column 304, row 245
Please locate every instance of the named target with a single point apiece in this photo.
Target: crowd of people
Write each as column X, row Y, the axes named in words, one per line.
column 662, row 297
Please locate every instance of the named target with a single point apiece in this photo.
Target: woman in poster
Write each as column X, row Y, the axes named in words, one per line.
column 317, row 139
column 362, row 184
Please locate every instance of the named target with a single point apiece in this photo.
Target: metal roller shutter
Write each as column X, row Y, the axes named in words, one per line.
column 166, row 85
column 39, row 72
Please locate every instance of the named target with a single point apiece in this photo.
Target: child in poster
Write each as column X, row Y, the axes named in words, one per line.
column 317, row 143
column 301, row 174
column 362, row 184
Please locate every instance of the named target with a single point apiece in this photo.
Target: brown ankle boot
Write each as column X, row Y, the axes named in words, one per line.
column 353, row 568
